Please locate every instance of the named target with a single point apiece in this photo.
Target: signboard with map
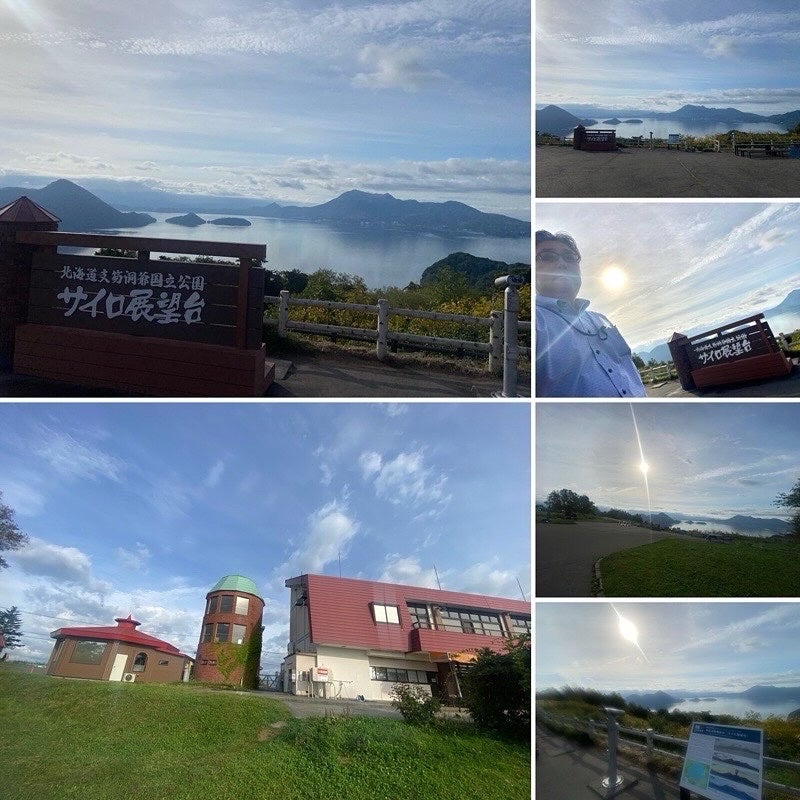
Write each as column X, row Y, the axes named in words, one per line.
column 724, row 762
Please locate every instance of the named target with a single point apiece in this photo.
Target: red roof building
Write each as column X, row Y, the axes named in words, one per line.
column 116, row 653
column 351, row 638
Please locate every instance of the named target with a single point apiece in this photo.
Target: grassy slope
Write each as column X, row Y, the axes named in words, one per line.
column 65, row 739
column 689, row 568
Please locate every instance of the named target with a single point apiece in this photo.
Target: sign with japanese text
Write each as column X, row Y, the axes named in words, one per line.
column 167, row 299
column 724, row 762
column 729, row 347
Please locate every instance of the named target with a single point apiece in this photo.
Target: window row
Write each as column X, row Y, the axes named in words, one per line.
column 224, row 632
column 463, row 621
column 91, row 651
column 398, row 675
column 226, row 604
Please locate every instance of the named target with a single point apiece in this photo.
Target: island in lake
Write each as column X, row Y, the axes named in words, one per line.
column 187, row 220
column 234, row 222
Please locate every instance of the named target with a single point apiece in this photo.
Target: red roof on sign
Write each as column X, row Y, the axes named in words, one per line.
column 125, row 631
column 340, row 609
column 25, row 210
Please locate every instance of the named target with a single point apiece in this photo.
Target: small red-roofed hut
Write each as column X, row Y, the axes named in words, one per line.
column 116, row 653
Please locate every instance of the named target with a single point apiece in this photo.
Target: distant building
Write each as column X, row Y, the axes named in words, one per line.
column 233, row 614
column 351, row 638
column 116, row 653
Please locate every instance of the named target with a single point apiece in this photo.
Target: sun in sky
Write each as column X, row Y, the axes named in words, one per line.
column 614, row 278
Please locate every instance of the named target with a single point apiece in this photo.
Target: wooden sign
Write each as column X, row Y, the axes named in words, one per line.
column 165, row 299
column 725, row 348
column 599, row 140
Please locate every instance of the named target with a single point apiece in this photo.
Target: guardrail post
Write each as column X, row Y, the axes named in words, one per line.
column 283, row 312
column 510, row 344
column 496, row 342
column 613, row 783
column 383, row 329
column 649, row 743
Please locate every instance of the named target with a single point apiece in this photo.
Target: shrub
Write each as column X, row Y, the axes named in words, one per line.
column 498, row 689
column 415, row 704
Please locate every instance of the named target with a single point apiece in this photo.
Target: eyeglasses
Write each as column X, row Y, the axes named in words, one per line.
column 551, row 257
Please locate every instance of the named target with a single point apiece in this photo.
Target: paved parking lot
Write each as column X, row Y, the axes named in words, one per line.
column 640, row 172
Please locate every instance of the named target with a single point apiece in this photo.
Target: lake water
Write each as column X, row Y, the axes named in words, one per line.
column 737, row 706
column 661, row 128
column 717, row 527
column 381, row 258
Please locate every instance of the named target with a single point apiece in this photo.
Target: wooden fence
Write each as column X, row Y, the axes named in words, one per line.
column 661, row 372
column 387, row 340
column 646, row 740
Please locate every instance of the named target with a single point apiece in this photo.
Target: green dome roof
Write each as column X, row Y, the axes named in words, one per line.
column 237, row 583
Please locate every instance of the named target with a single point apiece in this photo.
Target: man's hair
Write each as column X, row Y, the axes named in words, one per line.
column 564, row 238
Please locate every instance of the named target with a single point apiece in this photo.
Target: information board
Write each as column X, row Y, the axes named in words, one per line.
column 724, row 762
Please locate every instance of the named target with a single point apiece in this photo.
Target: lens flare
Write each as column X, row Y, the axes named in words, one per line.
column 629, row 631
column 644, row 467
column 614, row 278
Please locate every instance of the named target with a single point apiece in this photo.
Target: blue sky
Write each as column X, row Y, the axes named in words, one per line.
column 715, row 459
column 140, row 508
column 683, row 265
column 689, row 646
column 294, row 101
column 661, row 54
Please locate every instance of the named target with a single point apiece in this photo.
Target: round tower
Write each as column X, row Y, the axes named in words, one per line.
column 227, row 651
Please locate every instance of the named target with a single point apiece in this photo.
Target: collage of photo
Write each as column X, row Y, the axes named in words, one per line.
column 667, row 410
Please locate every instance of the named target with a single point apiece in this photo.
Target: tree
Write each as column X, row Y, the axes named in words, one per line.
column 569, row 503
column 11, row 627
column 638, row 361
column 497, row 688
column 11, row 537
column 791, row 499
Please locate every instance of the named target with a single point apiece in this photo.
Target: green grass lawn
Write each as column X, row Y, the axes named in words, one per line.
column 65, row 739
column 694, row 568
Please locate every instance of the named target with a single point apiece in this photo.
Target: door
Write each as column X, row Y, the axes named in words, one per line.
column 120, row 660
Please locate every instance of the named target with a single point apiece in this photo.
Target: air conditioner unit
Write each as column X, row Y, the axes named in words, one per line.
column 129, row 677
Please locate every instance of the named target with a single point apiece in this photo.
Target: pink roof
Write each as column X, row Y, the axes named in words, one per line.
column 23, row 209
column 340, row 613
column 125, row 631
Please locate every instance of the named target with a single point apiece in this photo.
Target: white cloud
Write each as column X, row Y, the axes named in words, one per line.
column 63, row 563
column 134, row 559
column 406, row 478
column 407, row 570
column 396, row 409
column 489, row 578
column 328, row 533
column 395, row 68
column 215, row 474
column 74, row 459
column 23, row 498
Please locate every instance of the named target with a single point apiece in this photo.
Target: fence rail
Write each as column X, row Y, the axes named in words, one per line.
column 662, row 372
column 651, row 738
column 387, row 339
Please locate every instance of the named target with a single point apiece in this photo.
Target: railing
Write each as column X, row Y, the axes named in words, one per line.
column 649, row 740
column 661, row 372
column 387, row 340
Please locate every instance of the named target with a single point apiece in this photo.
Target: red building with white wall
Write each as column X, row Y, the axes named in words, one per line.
column 351, row 638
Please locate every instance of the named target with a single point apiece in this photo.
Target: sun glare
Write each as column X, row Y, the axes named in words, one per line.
column 614, row 278
column 644, row 467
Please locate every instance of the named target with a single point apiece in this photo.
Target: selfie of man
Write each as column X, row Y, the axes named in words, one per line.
column 579, row 353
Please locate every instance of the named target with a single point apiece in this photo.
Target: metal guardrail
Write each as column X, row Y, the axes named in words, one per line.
column 650, row 740
column 502, row 354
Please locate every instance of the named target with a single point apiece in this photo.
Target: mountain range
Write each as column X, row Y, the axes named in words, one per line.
column 789, row 305
column 739, row 522
column 759, row 693
column 560, row 120
column 80, row 210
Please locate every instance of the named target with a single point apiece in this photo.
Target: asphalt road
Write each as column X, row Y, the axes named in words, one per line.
column 640, row 172
column 565, row 770
column 774, row 387
column 319, row 375
column 566, row 554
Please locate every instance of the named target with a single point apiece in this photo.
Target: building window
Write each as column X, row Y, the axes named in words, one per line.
column 465, row 621
column 163, row 663
column 239, row 632
column 385, row 613
column 88, row 651
column 208, row 631
column 223, row 632
column 419, row 616
column 520, row 625
column 398, row 675
column 226, row 604
column 212, row 605
column 242, row 605
column 139, row 663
